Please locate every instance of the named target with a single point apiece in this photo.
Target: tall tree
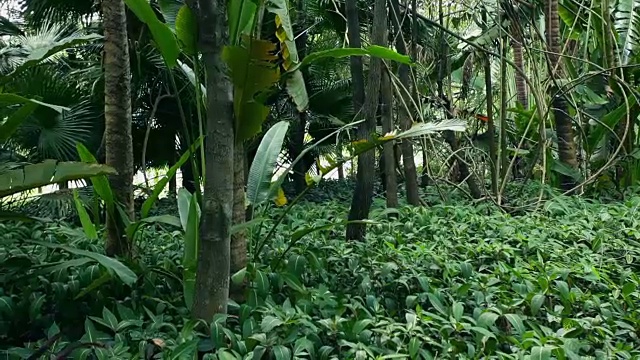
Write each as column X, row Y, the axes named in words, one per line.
column 388, row 164
column 564, row 126
column 362, row 196
column 117, row 112
column 410, row 172
column 212, row 277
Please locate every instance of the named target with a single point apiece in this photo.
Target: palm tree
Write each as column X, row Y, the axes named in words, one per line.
column 117, row 112
column 564, row 126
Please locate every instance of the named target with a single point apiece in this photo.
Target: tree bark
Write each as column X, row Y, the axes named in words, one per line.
column 491, row 130
column 239, row 239
column 518, row 60
column 297, row 147
column 212, row 277
column 410, row 171
column 390, row 180
column 564, row 126
column 363, row 194
column 357, row 69
column 117, row 112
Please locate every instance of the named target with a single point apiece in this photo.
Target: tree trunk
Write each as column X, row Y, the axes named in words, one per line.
column 212, row 277
column 117, row 113
column 239, row 239
column 518, row 60
column 564, row 126
column 173, row 182
column 390, row 180
column 410, row 171
column 299, row 128
column 491, row 130
column 357, row 70
column 297, row 147
column 362, row 196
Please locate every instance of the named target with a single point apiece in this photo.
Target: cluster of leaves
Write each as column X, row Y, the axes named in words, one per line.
column 461, row 281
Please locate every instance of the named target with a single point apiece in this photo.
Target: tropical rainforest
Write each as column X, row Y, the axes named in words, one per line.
column 319, row 179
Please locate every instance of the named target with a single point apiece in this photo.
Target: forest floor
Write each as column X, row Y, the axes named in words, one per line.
column 454, row 280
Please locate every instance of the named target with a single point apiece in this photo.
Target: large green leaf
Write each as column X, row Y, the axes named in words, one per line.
column 87, row 225
column 187, row 30
column 7, row 99
column 14, row 121
column 112, row 265
column 100, row 182
column 297, row 90
column 241, row 18
column 609, row 122
column 627, row 24
column 284, row 31
column 189, row 210
column 422, row 129
column 46, row 173
column 261, row 172
column 162, row 34
column 46, row 50
column 253, row 72
column 373, row 50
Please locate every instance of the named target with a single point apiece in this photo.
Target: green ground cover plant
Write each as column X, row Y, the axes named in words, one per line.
column 449, row 281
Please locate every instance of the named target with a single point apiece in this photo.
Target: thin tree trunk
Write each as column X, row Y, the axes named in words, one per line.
column 564, row 126
column 491, row 131
column 299, row 128
column 518, row 60
column 357, row 69
column 297, row 147
column 212, row 277
column 117, row 112
column 410, row 171
column 390, row 180
column 239, row 239
column 363, row 194
column 173, row 182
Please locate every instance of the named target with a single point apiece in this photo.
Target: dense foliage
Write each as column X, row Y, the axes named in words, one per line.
column 463, row 281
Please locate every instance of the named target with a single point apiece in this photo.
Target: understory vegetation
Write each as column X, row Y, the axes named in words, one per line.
column 455, row 280
column 319, row 179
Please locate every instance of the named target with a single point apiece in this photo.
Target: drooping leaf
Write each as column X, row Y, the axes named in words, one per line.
column 253, row 71
column 15, row 120
column 297, row 90
column 190, row 256
column 262, row 168
column 241, row 16
column 284, row 31
column 100, row 183
column 87, row 225
column 162, row 35
column 13, row 99
column 627, row 24
column 169, row 10
column 112, row 265
column 187, row 30
column 373, row 50
column 46, row 173
column 432, row 128
column 46, row 50
column 609, row 122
